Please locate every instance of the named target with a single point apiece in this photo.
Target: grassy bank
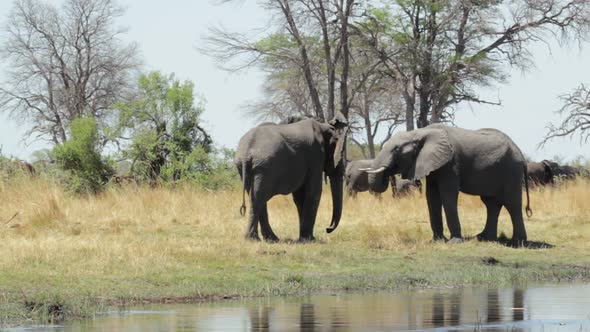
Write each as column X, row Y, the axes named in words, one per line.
column 65, row 257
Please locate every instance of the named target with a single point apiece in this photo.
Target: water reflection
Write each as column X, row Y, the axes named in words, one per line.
column 493, row 301
column 556, row 308
column 259, row 317
column 518, row 306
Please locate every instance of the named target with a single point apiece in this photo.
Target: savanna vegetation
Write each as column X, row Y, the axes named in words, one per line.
column 135, row 202
column 66, row 256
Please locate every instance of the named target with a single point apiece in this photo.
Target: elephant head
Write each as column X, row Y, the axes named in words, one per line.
column 413, row 154
column 334, row 140
column 548, row 172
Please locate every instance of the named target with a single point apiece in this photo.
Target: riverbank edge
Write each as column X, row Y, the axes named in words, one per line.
column 58, row 306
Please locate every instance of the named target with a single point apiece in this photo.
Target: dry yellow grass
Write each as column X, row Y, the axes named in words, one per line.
column 135, row 243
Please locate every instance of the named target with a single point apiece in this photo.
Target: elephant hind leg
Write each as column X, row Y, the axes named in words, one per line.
column 265, row 228
column 490, row 231
column 257, row 208
column 252, row 230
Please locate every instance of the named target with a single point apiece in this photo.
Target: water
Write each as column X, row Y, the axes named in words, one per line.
column 540, row 308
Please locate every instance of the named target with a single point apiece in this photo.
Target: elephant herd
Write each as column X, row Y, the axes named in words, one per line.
column 549, row 172
column 294, row 156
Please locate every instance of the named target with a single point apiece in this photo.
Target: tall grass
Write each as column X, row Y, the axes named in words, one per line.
column 144, row 244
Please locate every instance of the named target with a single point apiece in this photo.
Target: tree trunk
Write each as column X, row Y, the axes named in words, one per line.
column 313, row 92
column 330, row 64
column 410, row 101
column 367, row 120
column 344, row 15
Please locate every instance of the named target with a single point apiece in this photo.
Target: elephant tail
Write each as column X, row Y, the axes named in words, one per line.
column 244, row 174
column 529, row 212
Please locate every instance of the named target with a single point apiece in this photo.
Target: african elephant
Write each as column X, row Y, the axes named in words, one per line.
column 567, row 172
column 291, row 158
column 403, row 187
column 484, row 162
column 356, row 179
column 540, row 173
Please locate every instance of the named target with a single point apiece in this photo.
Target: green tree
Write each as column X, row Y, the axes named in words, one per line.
column 442, row 50
column 167, row 140
column 87, row 171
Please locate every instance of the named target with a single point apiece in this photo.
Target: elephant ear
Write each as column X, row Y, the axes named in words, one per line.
column 340, row 125
column 433, row 151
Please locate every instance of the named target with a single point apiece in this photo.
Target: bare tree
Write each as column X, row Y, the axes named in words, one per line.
column 308, row 30
column 64, row 63
column 576, row 113
column 284, row 94
column 378, row 105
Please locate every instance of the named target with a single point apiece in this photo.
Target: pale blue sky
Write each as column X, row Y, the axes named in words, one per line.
column 168, row 33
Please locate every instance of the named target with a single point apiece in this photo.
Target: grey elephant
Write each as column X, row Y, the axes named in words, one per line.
column 567, row 172
column 356, row 179
column 403, row 187
column 291, row 158
column 540, row 173
column 484, row 162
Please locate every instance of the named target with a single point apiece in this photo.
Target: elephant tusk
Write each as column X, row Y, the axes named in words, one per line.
column 365, row 169
column 376, row 171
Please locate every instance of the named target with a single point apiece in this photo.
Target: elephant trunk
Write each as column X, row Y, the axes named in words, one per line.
column 378, row 182
column 336, row 186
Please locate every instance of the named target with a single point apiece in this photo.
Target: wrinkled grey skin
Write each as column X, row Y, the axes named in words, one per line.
column 483, row 162
column 355, row 179
column 540, row 174
column 403, row 187
column 291, row 158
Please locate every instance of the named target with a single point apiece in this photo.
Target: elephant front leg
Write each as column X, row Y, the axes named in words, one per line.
column 307, row 202
column 449, row 201
column 490, row 231
column 448, row 189
column 434, row 210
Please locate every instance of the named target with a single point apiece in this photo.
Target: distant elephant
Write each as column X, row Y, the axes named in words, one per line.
column 567, row 172
column 403, row 187
column 290, row 158
column 20, row 166
column 483, row 162
column 356, row 179
column 540, row 173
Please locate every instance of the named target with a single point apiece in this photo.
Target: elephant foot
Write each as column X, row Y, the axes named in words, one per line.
column 252, row 237
column 305, row 239
column 486, row 237
column 271, row 238
column 518, row 243
column 437, row 238
column 454, row 240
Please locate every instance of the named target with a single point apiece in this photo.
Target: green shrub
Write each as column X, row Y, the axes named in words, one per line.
column 79, row 157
